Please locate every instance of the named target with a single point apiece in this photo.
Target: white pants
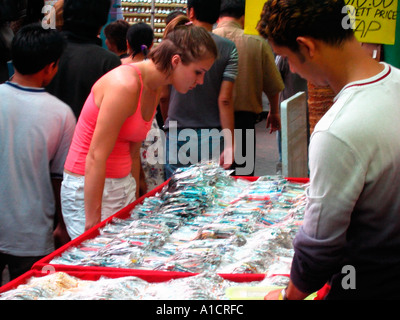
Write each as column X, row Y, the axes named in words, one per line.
column 117, row 194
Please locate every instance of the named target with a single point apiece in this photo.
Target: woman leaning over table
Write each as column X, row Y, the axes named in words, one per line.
column 103, row 160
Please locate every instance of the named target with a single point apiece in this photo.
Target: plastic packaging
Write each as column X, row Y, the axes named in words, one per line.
column 203, row 220
column 204, row 286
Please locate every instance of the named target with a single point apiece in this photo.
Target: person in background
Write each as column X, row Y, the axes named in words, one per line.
column 37, row 129
column 350, row 236
column 139, row 41
column 115, row 33
column 58, row 7
column 14, row 14
column 102, row 165
column 172, row 15
column 257, row 74
column 293, row 84
column 208, row 107
column 84, row 60
column 162, row 114
column 31, row 12
column 6, row 36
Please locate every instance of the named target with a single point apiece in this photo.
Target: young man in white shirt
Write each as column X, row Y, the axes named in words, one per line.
column 350, row 237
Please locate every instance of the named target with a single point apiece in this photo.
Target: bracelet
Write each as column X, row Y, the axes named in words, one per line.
column 282, row 295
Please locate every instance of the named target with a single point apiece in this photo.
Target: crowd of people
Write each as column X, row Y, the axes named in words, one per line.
column 75, row 116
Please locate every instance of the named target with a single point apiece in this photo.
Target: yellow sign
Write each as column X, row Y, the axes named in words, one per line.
column 252, row 15
column 373, row 21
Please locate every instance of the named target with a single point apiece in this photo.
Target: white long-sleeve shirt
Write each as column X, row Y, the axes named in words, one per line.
column 353, row 211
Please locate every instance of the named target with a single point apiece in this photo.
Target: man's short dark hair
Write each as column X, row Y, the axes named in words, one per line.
column 232, row 8
column 34, row 47
column 172, row 15
column 115, row 32
column 11, row 10
column 85, row 17
column 283, row 21
column 205, row 10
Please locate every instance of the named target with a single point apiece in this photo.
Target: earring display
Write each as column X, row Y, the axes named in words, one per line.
column 152, row 12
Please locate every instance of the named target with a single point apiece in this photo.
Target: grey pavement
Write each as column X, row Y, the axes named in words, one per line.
column 267, row 155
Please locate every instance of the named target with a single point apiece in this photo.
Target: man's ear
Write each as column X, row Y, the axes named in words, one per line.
column 48, row 68
column 307, row 46
column 48, row 73
column 51, row 69
column 54, row 65
column 191, row 14
column 241, row 21
column 128, row 47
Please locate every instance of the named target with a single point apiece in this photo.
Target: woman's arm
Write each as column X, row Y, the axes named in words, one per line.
column 117, row 102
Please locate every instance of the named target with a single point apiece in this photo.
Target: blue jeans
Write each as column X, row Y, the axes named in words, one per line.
column 245, row 122
column 185, row 147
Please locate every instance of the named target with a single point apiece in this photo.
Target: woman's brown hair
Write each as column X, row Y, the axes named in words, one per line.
column 182, row 38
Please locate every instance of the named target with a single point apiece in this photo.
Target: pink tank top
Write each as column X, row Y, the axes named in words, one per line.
column 134, row 129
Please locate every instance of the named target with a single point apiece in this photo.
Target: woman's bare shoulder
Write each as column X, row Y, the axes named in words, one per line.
column 122, row 80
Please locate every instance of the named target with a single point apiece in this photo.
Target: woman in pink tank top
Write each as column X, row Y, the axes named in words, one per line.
column 117, row 116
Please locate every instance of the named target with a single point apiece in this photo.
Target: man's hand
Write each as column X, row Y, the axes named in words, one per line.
column 226, row 158
column 60, row 236
column 292, row 293
column 273, row 121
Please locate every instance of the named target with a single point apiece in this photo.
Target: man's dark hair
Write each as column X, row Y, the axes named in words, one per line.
column 115, row 32
column 11, row 10
column 283, row 21
column 23, row 11
column 34, row 47
column 85, row 17
column 205, row 10
column 172, row 15
column 232, row 8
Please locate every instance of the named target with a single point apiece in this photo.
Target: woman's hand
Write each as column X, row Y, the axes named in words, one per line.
column 92, row 220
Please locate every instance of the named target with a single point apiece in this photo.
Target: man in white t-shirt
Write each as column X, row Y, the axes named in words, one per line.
column 350, row 237
column 36, row 131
